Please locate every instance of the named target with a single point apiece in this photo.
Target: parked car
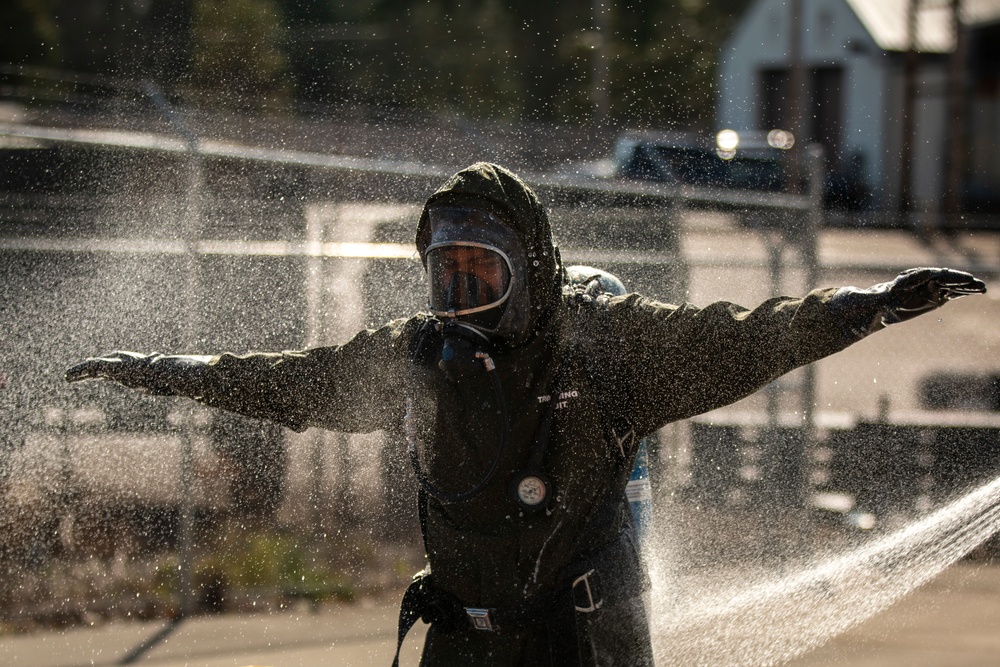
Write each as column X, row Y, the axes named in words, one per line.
column 745, row 161
column 690, row 159
column 677, row 159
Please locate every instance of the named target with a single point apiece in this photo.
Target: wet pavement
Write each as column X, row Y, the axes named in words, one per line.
column 953, row 621
column 362, row 633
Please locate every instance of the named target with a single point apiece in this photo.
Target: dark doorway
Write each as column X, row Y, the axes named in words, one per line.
column 774, row 99
column 824, row 119
column 822, row 106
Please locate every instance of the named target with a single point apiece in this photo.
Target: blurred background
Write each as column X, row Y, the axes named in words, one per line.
column 196, row 176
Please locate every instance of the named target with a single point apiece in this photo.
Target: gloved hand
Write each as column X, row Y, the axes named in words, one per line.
column 916, row 291
column 155, row 374
column 911, row 293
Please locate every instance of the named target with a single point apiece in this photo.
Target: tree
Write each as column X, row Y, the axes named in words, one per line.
column 666, row 57
column 237, row 61
column 28, row 34
column 516, row 60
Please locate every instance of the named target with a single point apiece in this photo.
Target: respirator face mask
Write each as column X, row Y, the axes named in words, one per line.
column 476, row 270
column 473, row 261
column 469, row 280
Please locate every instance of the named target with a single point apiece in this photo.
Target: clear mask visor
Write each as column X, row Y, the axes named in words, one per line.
column 467, row 277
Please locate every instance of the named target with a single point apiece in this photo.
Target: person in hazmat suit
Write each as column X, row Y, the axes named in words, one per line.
column 523, row 400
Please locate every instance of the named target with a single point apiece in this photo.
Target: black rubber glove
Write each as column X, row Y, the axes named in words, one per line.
column 155, row 374
column 916, row 291
column 911, row 293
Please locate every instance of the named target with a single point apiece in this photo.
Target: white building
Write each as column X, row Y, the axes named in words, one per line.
column 853, row 54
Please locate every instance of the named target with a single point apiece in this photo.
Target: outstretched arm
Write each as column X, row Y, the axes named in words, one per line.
column 683, row 361
column 355, row 387
column 282, row 387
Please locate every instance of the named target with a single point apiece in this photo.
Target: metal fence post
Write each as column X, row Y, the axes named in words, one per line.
column 810, row 256
column 190, row 230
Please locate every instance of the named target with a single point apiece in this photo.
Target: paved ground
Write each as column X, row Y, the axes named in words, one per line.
column 954, row 621
column 356, row 634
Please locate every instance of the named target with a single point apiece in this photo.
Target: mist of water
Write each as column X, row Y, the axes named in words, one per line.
column 699, row 618
column 772, row 617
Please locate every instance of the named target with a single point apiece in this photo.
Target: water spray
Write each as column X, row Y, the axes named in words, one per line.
column 790, row 613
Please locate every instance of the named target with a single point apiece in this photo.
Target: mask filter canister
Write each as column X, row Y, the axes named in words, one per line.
column 461, row 351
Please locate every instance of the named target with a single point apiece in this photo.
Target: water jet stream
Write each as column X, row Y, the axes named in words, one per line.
column 780, row 617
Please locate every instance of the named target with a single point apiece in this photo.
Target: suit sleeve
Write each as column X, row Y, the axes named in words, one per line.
column 356, row 387
column 681, row 361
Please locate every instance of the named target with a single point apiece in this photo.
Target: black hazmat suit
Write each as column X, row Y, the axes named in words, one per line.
column 582, row 383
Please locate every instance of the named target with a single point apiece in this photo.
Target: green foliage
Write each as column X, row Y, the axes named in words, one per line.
column 273, row 563
column 666, row 55
column 247, row 567
column 237, row 61
column 518, row 60
column 28, row 33
column 446, row 55
column 524, row 60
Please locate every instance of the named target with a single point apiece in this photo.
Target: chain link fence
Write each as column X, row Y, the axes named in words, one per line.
column 119, row 504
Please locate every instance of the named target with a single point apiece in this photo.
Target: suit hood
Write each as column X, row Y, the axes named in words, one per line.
column 501, row 192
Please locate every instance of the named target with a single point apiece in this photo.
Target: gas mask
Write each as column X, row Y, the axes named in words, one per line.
column 469, row 281
column 476, row 269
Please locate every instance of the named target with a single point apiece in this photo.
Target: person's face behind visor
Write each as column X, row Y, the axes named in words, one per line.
column 471, row 276
column 467, row 278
